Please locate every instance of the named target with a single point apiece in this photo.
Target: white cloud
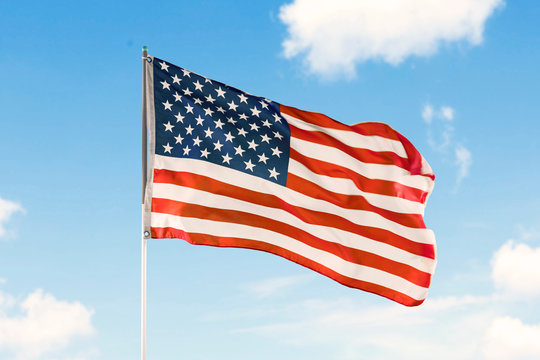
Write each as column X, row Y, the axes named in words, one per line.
column 335, row 35
column 509, row 339
column 389, row 331
column 43, row 326
column 463, row 161
column 427, row 113
column 273, row 286
column 7, row 208
column 447, row 113
column 516, row 270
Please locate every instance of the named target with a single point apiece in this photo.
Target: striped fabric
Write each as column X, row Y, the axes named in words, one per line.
column 350, row 205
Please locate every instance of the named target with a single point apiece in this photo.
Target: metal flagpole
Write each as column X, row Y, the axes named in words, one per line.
column 144, row 235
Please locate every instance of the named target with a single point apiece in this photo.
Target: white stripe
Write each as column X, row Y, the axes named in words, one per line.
column 348, row 187
column 230, row 176
column 370, row 142
column 346, row 238
column 373, row 171
column 328, row 260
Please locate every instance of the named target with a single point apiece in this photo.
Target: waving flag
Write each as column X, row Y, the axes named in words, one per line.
column 235, row 170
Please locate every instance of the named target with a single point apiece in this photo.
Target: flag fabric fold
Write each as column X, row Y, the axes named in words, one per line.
column 231, row 169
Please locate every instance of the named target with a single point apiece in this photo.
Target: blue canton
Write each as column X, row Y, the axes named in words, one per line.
column 203, row 119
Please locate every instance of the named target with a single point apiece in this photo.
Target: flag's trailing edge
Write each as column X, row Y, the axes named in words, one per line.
column 231, row 169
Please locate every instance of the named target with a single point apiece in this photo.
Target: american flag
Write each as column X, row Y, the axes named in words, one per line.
column 232, row 169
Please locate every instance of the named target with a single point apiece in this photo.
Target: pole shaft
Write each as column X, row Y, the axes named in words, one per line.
column 143, row 237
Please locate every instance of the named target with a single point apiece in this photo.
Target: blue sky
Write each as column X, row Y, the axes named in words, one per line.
column 462, row 84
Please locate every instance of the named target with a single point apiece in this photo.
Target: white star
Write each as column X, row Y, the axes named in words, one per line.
column 189, row 109
column 229, row 137
column 199, row 120
column 208, row 111
column 220, row 92
column 255, row 111
column 198, row 85
column 254, row 127
column 243, row 98
column 249, row 165
column 186, row 150
column 204, row 153
column 207, row 80
column 176, row 79
column 262, row 158
column 208, row 133
column 168, row 126
column 232, row 105
column 186, row 73
column 198, row 101
column 219, row 124
column 165, row 84
column 179, row 117
column 263, row 104
column 275, row 151
column 226, row 158
column 267, row 123
column 164, row 66
column 168, row 148
column 196, row 141
column 252, row 145
column 231, row 120
column 179, row 139
column 189, row 130
column 265, row 138
column 177, row 97
column 277, row 118
column 187, row 92
column 210, row 99
column 167, row 105
column 217, row 145
column 220, row 109
column 243, row 116
column 278, row 135
column 239, row 151
column 242, row 132
column 273, row 173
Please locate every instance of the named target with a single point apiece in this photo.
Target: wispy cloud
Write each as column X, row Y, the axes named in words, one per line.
column 7, row 209
column 42, row 326
column 463, row 161
column 441, row 137
column 334, row 35
column 277, row 285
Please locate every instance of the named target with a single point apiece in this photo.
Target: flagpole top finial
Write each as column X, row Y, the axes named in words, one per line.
column 145, row 50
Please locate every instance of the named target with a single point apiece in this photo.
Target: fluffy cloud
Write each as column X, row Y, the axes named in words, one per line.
column 44, row 325
column 334, row 35
column 509, row 339
column 7, row 208
column 516, row 270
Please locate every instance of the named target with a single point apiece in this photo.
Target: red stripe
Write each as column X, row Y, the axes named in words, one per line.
column 356, row 256
column 365, row 184
column 213, row 186
column 363, row 155
column 204, row 239
column 355, row 202
column 367, row 128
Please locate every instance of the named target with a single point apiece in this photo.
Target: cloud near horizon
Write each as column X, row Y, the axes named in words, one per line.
column 43, row 326
column 333, row 36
